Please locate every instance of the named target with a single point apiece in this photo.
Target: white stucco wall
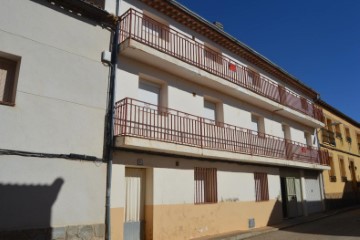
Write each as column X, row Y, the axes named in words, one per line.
column 31, row 197
column 175, row 184
column 184, row 95
column 62, row 84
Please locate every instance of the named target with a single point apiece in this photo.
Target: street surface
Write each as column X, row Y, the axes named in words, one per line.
column 342, row 226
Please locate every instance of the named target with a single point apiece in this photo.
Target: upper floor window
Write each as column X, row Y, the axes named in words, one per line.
column 358, row 141
column 8, row 70
column 342, row 169
column 329, row 125
column 347, row 135
column 338, row 131
column 332, row 174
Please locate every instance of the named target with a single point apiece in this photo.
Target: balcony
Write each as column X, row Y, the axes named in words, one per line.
column 328, row 137
column 151, row 33
column 146, row 121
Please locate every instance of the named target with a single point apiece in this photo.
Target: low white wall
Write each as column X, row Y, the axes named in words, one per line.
column 43, row 192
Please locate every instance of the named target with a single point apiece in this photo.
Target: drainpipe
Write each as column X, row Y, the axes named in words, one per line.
column 321, row 177
column 109, row 138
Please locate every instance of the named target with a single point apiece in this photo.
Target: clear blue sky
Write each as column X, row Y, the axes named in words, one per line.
column 316, row 41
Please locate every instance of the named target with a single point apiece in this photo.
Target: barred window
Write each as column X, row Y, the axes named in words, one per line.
column 205, row 185
column 261, row 187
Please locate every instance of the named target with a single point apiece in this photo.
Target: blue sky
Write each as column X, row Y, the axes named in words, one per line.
column 316, row 41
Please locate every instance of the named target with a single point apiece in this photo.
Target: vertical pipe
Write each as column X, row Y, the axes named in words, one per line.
column 110, row 123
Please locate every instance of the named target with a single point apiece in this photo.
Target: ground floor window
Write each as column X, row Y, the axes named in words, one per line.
column 205, row 185
column 261, row 187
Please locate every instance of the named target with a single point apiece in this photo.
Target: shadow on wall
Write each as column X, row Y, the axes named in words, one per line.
column 24, row 208
column 276, row 215
column 348, row 197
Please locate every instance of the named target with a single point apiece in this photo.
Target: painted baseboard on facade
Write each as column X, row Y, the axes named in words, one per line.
column 83, row 232
column 187, row 221
column 117, row 223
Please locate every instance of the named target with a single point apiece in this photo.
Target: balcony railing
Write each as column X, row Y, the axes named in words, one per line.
column 139, row 119
column 328, row 136
column 143, row 29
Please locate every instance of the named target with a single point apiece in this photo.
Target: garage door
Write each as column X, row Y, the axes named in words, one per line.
column 313, row 194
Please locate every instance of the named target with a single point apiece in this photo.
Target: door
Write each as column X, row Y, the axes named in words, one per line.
column 291, row 198
column 134, row 204
column 313, row 193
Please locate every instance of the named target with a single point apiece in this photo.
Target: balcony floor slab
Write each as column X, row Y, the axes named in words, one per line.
column 178, row 149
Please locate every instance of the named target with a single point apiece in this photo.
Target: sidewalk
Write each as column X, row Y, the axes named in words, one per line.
column 285, row 224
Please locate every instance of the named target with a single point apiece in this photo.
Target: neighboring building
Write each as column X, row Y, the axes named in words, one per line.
column 210, row 136
column 341, row 137
column 53, row 91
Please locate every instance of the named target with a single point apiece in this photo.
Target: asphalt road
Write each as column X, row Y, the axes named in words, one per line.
column 342, row 226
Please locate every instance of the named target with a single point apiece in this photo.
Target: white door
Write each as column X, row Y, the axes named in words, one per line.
column 313, row 194
column 134, row 204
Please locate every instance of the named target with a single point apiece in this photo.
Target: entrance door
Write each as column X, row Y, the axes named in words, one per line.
column 134, row 204
column 292, row 206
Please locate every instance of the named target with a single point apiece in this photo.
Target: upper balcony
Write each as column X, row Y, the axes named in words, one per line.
column 154, row 35
column 144, row 126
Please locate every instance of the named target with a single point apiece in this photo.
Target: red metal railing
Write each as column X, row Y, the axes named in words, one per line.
column 144, row 120
column 143, row 29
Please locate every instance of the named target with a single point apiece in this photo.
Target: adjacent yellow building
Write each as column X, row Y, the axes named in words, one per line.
column 341, row 137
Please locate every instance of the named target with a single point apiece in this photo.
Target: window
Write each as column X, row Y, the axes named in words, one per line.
column 347, row 135
column 7, row 81
column 261, row 187
column 338, row 131
column 205, row 185
column 358, row 141
column 149, row 93
column 332, row 174
column 342, row 169
column 213, row 112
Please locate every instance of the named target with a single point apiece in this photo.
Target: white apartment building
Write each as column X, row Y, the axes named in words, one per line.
column 210, row 136
column 53, row 91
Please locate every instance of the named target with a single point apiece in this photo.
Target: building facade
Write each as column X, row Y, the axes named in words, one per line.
column 341, row 137
column 210, row 137
column 53, row 91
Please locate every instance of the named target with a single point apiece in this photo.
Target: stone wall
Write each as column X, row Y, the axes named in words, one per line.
column 80, row 232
